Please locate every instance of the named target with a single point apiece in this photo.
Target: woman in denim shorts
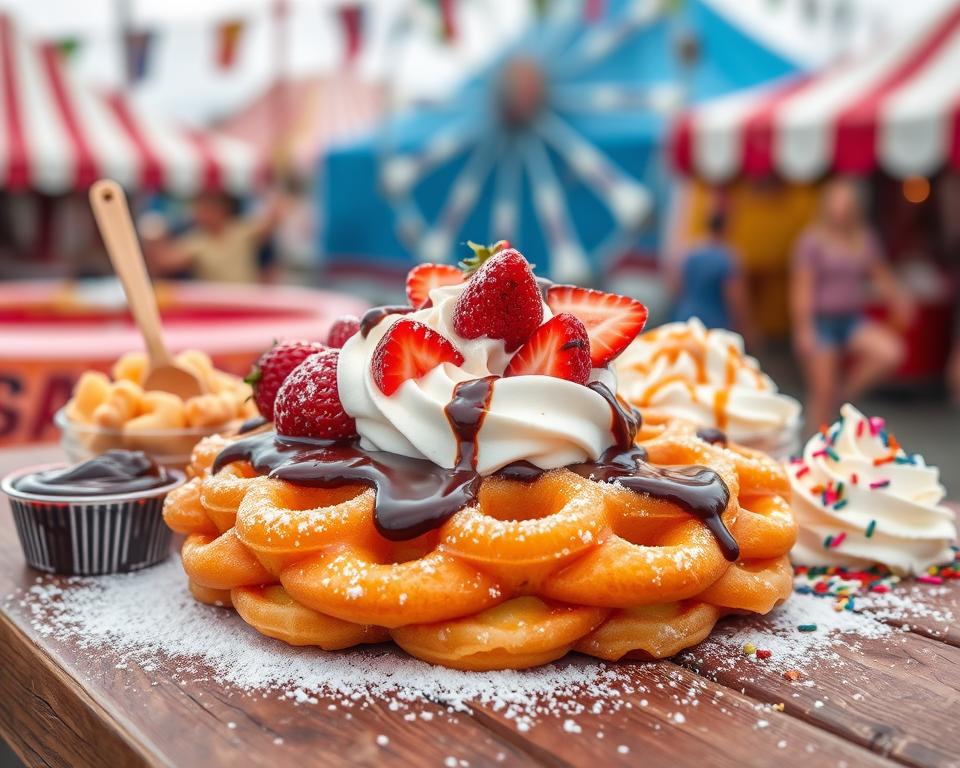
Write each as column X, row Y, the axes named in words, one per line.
column 837, row 266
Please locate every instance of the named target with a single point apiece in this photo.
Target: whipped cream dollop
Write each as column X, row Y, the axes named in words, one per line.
column 547, row 421
column 860, row 499
column 682, row 370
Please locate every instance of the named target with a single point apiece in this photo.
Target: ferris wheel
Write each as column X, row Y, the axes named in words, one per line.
column 511, row 136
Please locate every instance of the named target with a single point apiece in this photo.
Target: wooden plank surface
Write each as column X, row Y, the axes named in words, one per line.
column 61, row 704
column 678, row 718
column 893, row 695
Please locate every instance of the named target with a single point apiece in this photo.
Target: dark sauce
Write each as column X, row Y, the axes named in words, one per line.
column 113, row 472
column 374, row 315
column 414, row 496
column 698, row 490
column 251, row 424
column 465, row 412
column 713, row 436
column 625, row 422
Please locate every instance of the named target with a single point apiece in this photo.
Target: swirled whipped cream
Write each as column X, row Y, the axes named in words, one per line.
column 683, row 370
column 860, row 499
column 547, row 421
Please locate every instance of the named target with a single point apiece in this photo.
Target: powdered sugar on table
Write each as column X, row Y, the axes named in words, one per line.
column 148, row 617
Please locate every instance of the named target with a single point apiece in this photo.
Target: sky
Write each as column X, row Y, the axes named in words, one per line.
column 416, row 64
column 184, row 84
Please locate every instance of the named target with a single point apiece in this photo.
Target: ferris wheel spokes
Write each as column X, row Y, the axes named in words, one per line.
column 402, row 172
column 568, row 261
column 437, row 244
column 627, row 200
column 609, row 35
column 507, row 186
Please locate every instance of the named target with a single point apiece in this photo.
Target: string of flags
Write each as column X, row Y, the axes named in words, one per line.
column 229, row 35
column 350, row 16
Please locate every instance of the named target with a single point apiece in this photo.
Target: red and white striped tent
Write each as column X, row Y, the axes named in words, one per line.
column 57, row 135
column 294, row 123
column 897, row 109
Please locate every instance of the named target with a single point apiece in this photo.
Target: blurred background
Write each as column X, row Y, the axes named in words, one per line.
column 790, row 168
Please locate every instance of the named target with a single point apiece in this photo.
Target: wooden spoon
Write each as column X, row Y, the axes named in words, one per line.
column 110, row 208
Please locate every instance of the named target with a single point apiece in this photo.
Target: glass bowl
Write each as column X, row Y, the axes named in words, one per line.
column 169, row 447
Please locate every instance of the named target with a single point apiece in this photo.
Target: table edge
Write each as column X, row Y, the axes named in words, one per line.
column 43, row 671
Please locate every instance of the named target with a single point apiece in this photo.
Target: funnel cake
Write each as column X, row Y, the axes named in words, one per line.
column 631, row 550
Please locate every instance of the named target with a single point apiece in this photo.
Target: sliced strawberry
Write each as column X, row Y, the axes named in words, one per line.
column 423, row 278
column 559, row 348
column 612, row 321
column 409, row 350
column 501, row 301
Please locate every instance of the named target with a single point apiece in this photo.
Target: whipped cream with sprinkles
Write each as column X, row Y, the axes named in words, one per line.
column 861, row 499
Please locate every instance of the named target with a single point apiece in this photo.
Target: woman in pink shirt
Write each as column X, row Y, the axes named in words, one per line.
column 837, row 266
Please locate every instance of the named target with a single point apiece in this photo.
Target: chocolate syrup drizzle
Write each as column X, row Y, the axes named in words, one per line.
column 374, row 315
column 254, row 422
column 414, row 496
column 713, row 436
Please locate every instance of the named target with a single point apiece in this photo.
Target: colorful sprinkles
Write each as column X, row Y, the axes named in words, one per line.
column 846, row 586
column 833, row 494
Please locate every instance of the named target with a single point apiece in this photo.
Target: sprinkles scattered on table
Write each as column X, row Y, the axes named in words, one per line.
column 844, row 585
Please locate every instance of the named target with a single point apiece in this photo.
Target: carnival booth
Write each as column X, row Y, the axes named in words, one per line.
column 891, row 118
column 55, row 139
column 557, row 146
column 58, row 136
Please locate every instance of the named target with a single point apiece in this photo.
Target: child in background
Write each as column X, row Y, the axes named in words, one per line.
column 222, row 246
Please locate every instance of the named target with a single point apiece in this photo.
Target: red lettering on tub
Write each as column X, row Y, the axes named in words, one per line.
column 10, row 387
column 56, row 391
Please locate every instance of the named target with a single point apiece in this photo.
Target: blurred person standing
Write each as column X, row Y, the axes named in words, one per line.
column 837, row 262
column 222, row 246
column 708, row 282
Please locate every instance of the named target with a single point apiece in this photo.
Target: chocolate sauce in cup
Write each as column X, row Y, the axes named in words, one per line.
column 110, row 473
column 104, row 515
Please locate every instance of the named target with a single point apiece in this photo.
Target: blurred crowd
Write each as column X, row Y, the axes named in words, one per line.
column 851, row 317
column 850, row 314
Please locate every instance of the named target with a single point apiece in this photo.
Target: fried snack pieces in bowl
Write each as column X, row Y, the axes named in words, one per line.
column 108, row 412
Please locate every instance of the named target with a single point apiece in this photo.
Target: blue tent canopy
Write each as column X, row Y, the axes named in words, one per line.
column 574, row 183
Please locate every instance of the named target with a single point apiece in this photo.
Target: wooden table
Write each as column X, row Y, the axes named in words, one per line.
column 896, row 703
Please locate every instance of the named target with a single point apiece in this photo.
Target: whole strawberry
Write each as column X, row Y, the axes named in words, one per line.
column 308, row 403
column 274, row 365
column 501, row 301
column 341, row 330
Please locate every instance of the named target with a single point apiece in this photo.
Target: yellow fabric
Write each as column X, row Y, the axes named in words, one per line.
column 764, row 220
column 228, row 256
